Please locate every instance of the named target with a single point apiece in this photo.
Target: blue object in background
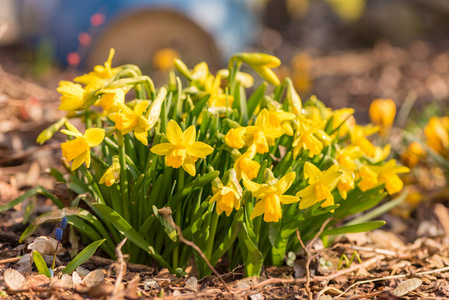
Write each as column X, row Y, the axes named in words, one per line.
column 210, row 30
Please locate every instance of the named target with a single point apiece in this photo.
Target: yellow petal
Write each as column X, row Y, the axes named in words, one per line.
column 141, row 107
column 251, row 185
column 162, row 149
column 312, row 173
column 285, row 182
column 189, row 136
column 78, row 161
column 142, row 137
column 258, row 210
column 174, row 132
column 287, row 199
column 94, row 136
column 199, row 149
column 71, row 128
column 189, row 165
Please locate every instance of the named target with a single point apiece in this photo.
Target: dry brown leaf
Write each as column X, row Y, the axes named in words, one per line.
column 407, row 286
column 66, row 282
column 37, row 280
column 24, row 264
column 45, row 245
column 93, row 278
column 15, row 280
column 76, row 278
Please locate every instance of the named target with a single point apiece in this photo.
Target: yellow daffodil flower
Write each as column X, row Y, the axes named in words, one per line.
column 345, row 182
column 347, row 156
column 320, row 186
column 281, row 119
column 182, row 149
column 78, row 149
column 227, row 197
column 261, row 134
column 100, row 73
column 343, row 119
column 358, row 137
column 306, row 139
column 127, row 120
column 234, row 138
column 437, row 135
column 110, row 100
column 271, row 197
column 112, row 174
column 73, row 96
column 244, row 164
column 413, row 154
column 382, row 113
column 372, row 176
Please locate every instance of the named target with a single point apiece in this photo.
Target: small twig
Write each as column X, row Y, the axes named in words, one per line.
column 307, row 249
column 122, row 266
column 102, row 261
column 393, row 277
column 331, row 290
column 9, row 260
column 378, row 251
column 194, row 246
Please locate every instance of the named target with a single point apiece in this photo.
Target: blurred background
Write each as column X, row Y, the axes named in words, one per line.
column 347, row 52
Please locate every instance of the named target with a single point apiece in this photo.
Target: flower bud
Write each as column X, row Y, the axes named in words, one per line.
column 382, row 113
column 58, row 234
column 182, row 68
column 63, row 223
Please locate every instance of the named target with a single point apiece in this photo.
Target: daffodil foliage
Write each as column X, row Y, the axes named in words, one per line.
column 238, row 168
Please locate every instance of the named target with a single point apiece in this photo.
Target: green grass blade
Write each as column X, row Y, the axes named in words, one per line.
column 362, row 227
column 34, row 191
column 82, row 256
column 125, row 228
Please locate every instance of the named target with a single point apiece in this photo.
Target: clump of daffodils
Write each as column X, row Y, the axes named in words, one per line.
column 222, row 159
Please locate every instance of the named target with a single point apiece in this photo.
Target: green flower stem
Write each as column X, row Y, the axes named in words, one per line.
column 256, row 227
column 123, row 175
column 212, row 231
column 178, row 217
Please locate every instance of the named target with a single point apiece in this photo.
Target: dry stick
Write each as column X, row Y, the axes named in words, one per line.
column 122, row 266
column 194, row 246
column 309, row 255
column 394, row 277
column 9, row 260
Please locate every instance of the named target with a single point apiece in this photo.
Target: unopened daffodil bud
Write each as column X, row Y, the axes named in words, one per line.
column 382, row 113
column 182, row 69
column 294, row 101
column 437, row 135
column 47, row 133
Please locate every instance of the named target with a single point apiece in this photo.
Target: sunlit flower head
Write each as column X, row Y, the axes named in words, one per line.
column 372, row 176
column 306, row 138
column 348, row 156
column 261, row 134
column 73, row 95
column 112, row 174
column 345, row 182
column 100, row 73
column 234, row 138
column 182, row 149
column 110, row 99
column 227, row 197
column 437, row 135
column 127, row 120
column 78, row 149
column 245, row 166
column 320, row 186
column 271, row 197
column 382, row 113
